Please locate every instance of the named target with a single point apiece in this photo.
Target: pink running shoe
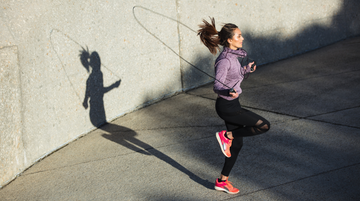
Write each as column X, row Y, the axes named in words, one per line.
column 225, row 186
column 224, row 143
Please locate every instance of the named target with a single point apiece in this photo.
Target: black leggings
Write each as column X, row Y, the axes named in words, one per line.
column 242, row 123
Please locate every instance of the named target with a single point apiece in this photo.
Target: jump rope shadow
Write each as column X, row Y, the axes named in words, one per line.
column 94, row 95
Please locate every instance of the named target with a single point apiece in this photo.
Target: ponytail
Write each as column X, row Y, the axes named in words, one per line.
column 212, row 38
column 209, row 36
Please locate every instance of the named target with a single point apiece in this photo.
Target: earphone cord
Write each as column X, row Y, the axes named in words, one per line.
column 247, row 61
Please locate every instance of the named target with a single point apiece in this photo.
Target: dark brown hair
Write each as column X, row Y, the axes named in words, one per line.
column 212, row 38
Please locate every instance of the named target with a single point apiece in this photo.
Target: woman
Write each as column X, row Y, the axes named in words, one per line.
column 229, row 74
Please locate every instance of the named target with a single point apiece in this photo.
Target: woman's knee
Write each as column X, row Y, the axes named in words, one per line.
column 263, row 126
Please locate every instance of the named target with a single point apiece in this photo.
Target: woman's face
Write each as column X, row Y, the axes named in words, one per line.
column 236, row 41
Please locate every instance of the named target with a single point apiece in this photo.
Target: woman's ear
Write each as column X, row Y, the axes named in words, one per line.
column 229, row 40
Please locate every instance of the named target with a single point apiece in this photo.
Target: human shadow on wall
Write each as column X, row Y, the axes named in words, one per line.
column 94, row 94
column 95, row 89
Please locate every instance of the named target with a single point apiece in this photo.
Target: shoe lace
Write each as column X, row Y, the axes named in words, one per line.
column 229, row 184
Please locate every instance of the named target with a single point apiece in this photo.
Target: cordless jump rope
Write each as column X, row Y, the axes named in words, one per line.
column 231, row 89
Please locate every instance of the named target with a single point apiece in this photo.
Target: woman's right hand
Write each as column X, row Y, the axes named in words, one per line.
column 85, row 104
column 234, row 94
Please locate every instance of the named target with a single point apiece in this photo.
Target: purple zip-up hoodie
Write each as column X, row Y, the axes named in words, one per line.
column 229, row 71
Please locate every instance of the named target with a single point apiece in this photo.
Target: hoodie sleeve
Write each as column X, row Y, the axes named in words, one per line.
column 245, row 71
column 221, row 70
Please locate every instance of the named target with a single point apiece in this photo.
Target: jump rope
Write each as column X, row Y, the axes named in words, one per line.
column 231, row 89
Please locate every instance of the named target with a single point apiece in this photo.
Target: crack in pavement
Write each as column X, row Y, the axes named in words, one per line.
column 110, row 157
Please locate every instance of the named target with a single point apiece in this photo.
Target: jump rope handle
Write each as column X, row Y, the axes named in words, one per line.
column 252, row 66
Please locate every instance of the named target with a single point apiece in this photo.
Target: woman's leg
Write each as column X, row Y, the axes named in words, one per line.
column 245, row 123
column 223, row 184
column 229, row 162
column 240, row 123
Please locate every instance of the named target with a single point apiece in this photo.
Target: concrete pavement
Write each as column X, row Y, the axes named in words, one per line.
column 168, row 151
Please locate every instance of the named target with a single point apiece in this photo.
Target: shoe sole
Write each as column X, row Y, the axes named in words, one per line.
column 226, row 191
column 219, row 141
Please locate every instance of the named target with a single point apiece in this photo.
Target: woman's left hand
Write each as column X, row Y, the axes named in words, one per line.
column 249, row 66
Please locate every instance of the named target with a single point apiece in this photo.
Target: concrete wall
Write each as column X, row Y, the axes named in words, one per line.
column 44, row 82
